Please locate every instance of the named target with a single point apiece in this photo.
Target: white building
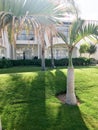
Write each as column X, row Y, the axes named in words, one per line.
column 27, row 47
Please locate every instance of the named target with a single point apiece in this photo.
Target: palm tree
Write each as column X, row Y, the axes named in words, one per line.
column 77, row 31
column 40, row 13
column 51, row 47
column 51, row 31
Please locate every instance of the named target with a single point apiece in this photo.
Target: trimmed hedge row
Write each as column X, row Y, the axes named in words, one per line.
column 5, row 63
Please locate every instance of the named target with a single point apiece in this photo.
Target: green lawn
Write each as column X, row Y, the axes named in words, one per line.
column 28, row 102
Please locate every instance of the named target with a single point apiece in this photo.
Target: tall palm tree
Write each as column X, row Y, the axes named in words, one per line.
column 51, row 47
column 51, row 31
column 77, row 31
column 40, row 12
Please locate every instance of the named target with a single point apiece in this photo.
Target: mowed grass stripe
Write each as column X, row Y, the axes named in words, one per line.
column 28, row 102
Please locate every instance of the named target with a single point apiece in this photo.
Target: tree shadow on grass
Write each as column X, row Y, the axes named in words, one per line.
column 20, row 69
column 66, row 117
column 26, row 107
column 56, row 82
column 25, row 103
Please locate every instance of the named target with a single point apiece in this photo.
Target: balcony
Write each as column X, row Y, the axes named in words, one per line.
column 25, row 42
column 58, row 40
column 26, row 39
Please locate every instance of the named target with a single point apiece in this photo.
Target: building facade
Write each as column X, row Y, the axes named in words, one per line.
column 28, row 47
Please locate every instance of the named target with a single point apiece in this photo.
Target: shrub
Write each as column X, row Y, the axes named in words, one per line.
column 5, row 63
column 93, row 61
column 82, row 61
column 61, row 62
column 35, row 62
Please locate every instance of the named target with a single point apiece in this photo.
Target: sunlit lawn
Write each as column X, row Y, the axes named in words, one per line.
column 28, row 102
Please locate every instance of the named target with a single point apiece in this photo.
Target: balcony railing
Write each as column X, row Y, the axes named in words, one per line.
column 25, row 42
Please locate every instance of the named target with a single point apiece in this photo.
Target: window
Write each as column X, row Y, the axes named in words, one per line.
column 25, row 36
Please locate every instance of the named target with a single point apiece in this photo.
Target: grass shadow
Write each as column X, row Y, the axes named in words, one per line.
column 25, row 103
column 63, row 117
column 68, row 118
column 20, row 69
column 56, row 82
column 26, row 106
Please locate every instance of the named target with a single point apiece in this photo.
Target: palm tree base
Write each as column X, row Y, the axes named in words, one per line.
column 43, row 69
column 70, row 95
column 71, row 99
column 53, row 67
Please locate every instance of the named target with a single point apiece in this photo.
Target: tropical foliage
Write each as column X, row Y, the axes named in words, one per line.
column 84, row 48
column 92, row 49
column 32, row 14
column 88, row 48
column 77, row 31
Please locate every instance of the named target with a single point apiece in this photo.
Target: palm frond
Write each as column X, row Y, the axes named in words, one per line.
column 42, row 10
column 78, row 31
column 89, row 31
column 64, row 38
column 5, row 19
column 39, row 12
column 74, row 29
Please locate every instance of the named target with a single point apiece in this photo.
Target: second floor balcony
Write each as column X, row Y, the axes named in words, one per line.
column 24, row 38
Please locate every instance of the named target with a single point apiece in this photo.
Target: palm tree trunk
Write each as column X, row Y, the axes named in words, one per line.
column 43, row 56
column 70, row 95
column 42, row 39
column 51, row 47
column 89, row 56
column 70, row 58
column 80, row 55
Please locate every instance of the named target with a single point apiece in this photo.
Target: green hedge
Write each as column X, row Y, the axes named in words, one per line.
column 34, row 62
column 5, row 63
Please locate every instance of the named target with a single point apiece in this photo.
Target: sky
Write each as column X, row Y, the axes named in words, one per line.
column 88, row 9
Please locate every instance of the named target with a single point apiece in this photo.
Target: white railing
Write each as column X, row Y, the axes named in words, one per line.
column 26, row 42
